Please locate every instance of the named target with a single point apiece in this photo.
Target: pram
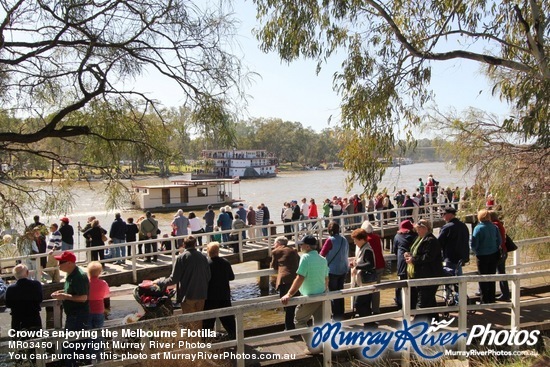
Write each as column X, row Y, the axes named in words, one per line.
column 156, row 301
column 449, row 292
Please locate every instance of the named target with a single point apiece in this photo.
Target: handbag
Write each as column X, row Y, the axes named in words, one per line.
column 364, row 277
column 510, row 245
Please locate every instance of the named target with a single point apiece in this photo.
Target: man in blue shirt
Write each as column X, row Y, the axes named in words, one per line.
column 224, row 222
column 242, row 214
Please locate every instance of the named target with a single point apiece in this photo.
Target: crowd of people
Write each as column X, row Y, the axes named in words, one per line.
column 203, row 279
column 420, row 254
column 246, row 223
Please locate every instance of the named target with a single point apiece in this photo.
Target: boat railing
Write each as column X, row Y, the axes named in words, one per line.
column 272, row 303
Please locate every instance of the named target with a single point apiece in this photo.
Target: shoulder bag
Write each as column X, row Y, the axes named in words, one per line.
column 510, row 245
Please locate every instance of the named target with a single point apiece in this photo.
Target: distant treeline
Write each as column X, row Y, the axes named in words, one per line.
column 292, row 142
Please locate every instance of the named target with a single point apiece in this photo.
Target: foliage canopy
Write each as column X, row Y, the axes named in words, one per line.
column 513, row 173
column 389, row 48
column 68, row 72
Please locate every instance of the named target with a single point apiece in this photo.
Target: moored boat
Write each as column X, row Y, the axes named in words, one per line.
column 184, row 194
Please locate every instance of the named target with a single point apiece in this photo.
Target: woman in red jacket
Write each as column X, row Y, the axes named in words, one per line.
column 501, row 266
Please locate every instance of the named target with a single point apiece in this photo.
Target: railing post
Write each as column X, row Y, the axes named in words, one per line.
column 269, row 238
column 515, row 294
column 462, row 314
column 515, row 309
column 399, row 210
column 40, row 362
column 57, row 315
column 173, row 249
column 38, row 267
column 516, row 258
column 134, row 262
column 382, row 224
column 406, row 308
column 239, row 323
column 327, row 349
column 240, row 239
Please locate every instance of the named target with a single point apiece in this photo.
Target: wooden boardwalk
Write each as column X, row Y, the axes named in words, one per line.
column 116, row 275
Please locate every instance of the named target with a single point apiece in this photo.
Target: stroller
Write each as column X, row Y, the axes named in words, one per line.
column 449, row 292
column 156, row 301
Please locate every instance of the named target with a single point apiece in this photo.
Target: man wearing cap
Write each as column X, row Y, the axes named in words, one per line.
column 74, row 297
column 454, row 239
column 67, row 233
column 311, row 278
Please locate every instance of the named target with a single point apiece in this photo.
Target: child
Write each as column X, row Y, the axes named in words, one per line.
column 98, row 296
column 216, row 236
column 166, row 244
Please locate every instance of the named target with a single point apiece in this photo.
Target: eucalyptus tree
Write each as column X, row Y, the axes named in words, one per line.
column 515, row 174
column 389, row 48
column 69, row 71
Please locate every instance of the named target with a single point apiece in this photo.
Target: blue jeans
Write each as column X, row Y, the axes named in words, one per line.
column 96, row 321
column 75, row 322
column 65, row 246
column 119, row 251
column 336, row 283
column 264, row 230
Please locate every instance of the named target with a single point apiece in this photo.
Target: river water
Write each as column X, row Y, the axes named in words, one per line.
column 273, row 192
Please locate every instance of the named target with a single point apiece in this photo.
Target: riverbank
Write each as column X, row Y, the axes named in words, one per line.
column 151, row 172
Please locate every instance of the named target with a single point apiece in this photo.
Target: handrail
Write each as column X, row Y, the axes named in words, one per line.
column 297, row 233
column 242, row 242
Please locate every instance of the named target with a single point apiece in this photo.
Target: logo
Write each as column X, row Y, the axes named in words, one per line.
column 513, row 337
column 426, row 340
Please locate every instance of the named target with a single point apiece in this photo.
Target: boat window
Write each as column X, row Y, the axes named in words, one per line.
column 202, row 192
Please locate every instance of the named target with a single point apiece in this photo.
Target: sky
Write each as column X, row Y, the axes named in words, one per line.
column 294, row 92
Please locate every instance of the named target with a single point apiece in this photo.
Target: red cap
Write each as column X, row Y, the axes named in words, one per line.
column 65, row 219
column 405, row 226
column 66, row 256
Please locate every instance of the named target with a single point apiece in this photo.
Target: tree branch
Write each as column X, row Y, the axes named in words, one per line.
column 456, row 54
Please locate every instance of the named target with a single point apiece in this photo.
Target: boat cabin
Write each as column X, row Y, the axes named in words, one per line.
column 183, row 194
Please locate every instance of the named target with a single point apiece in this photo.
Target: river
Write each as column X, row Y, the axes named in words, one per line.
column 273, row 192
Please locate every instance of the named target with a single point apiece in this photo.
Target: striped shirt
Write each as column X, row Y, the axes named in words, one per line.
column 54, row 242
